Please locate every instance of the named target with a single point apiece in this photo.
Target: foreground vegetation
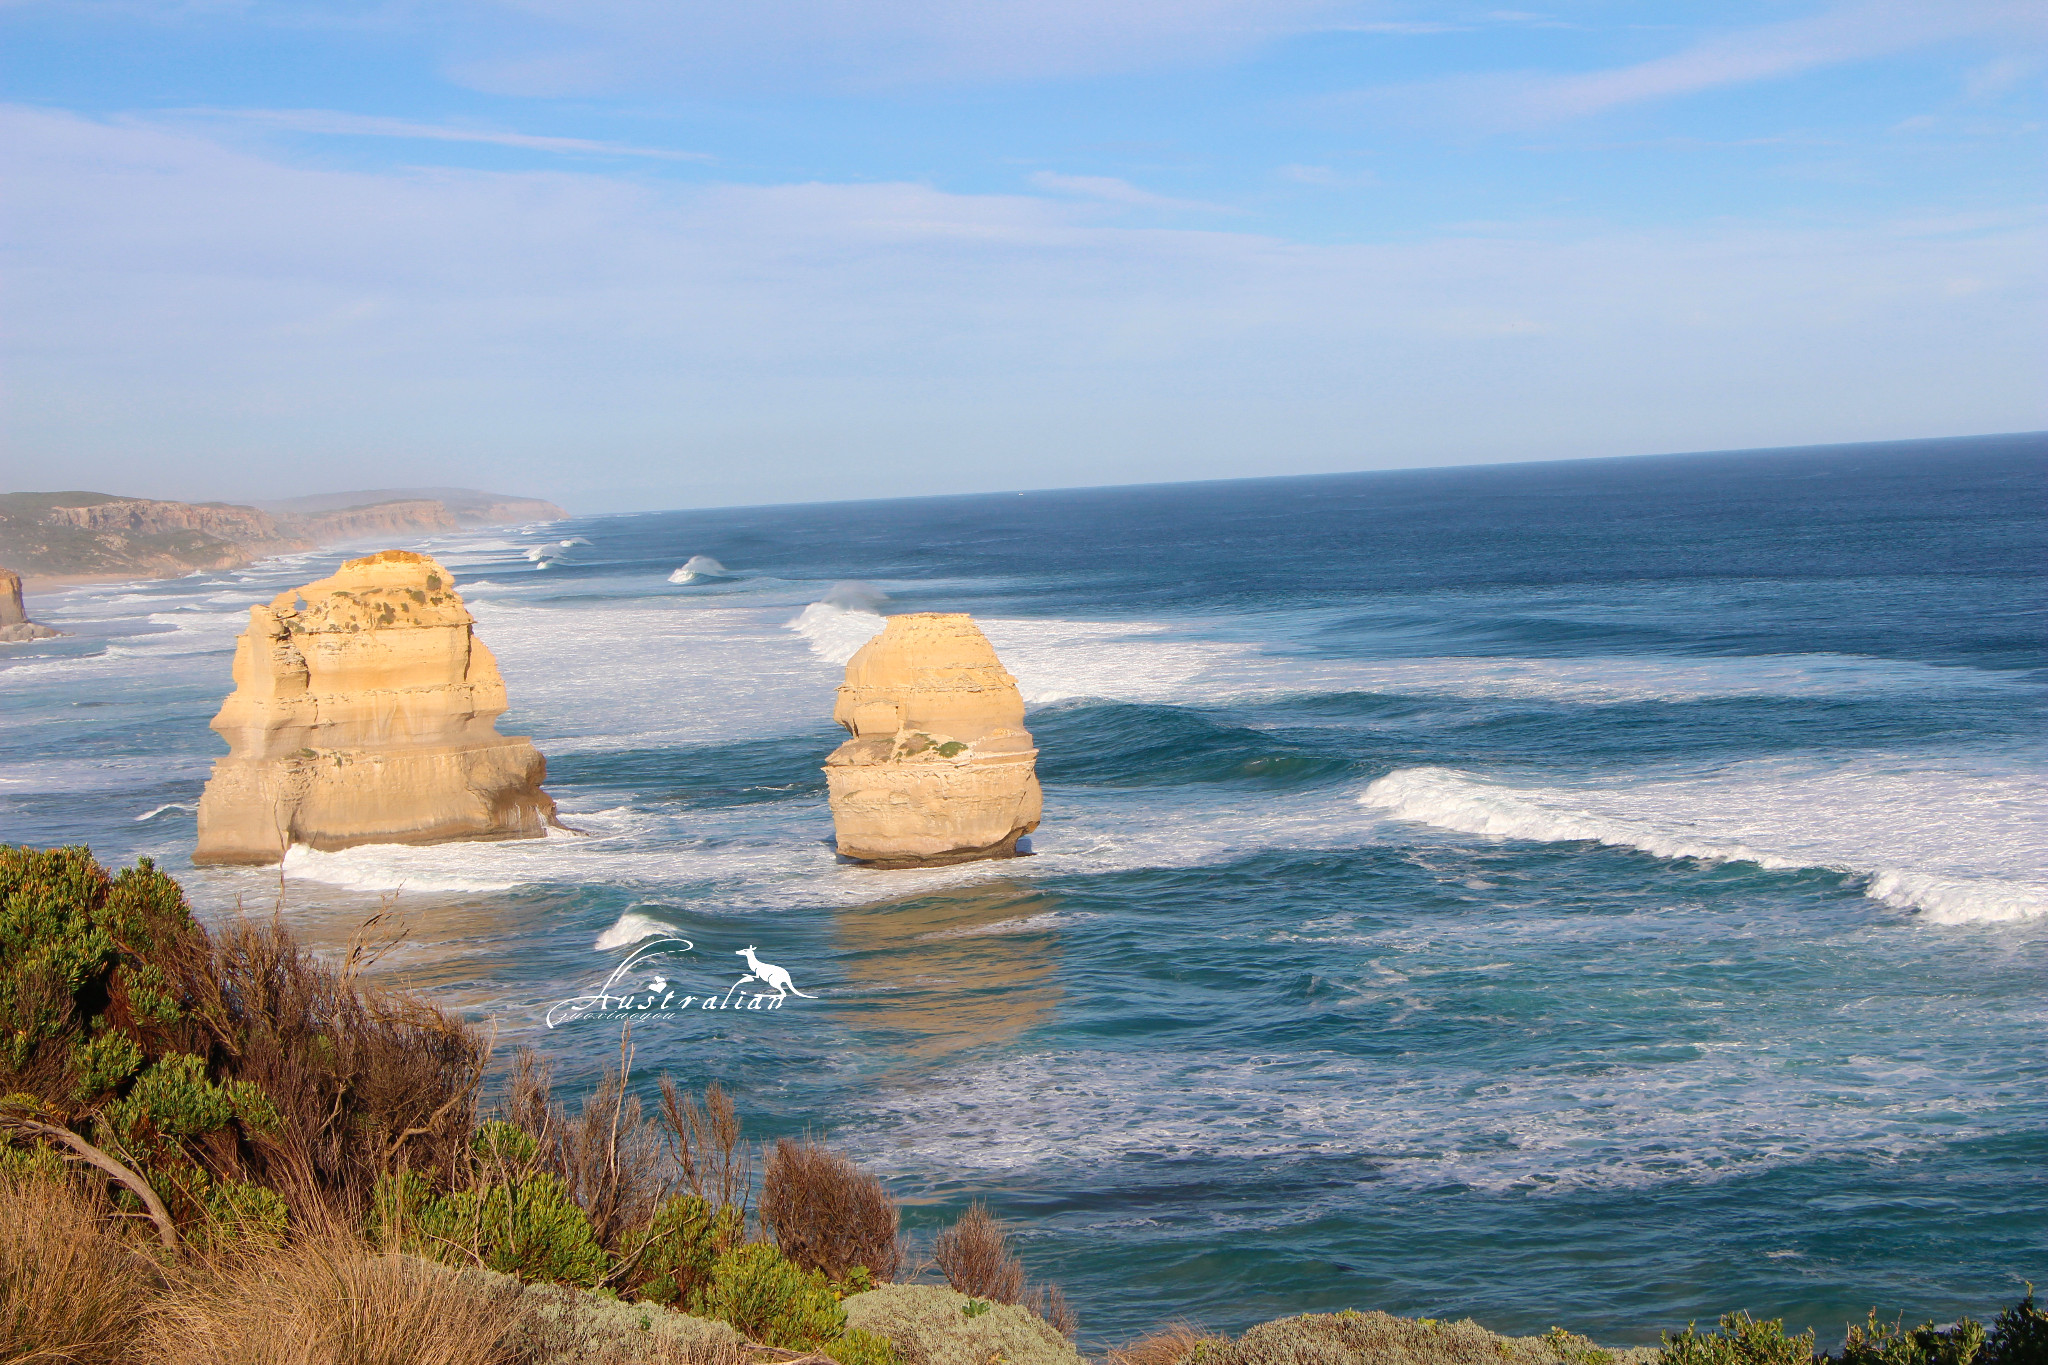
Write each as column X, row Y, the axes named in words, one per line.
column 220, row 1149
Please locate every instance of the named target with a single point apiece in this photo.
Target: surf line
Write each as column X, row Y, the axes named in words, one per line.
column 656, row 994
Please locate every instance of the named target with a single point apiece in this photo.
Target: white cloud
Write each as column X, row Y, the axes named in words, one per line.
column 189, row 318
column 1111, row 190
column 1844, row 34
column 1328, row 177
column 339, row 124
column 578, row 46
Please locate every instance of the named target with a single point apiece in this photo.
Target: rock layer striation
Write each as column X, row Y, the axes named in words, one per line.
column 365, row 711
column 940, row 768
column 15, row 627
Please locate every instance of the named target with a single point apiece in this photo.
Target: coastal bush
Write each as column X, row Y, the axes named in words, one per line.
column 930, row 1325
column 527, row 1226
column 1879, row 1343
column 71, row 1288
column 672, row 1259
column 2019, row 1336
column 974, row 1255
column 756, row 1289
column 562, row 1326
column 827, row 1214
column 1355, row 1338
column 607, row 1155
column 1742, row 1340
column 215, row 1060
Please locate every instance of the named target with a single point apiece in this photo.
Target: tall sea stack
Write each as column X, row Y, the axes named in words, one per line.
column 940, row 768
column 364, row 712
column 15, row 627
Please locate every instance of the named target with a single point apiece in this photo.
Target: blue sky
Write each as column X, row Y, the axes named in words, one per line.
column 634, row 254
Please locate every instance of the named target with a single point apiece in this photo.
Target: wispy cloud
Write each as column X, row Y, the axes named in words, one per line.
column 337, row 123
column 1328, row 177
column 1111, row 190
column 182, row 303
column 1846, row 33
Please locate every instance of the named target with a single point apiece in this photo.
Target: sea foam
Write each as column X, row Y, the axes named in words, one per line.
column 1954, row 845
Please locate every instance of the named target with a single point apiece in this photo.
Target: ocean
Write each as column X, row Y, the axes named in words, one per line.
column 1600, row 894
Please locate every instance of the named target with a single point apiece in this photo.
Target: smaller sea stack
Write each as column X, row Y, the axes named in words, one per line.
column 15, row 627
column 364, row 712
column 940, row 768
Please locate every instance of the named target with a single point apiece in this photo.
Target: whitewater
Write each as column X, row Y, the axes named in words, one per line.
column 1605, row 892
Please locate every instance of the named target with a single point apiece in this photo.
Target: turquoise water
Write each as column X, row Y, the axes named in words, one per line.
column 1600, row 894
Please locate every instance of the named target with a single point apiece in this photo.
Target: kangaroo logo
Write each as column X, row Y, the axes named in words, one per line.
column 774, row 977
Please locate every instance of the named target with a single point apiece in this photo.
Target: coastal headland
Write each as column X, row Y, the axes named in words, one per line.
column 51, row 538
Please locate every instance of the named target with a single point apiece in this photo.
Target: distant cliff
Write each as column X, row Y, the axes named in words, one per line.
column 47, row 534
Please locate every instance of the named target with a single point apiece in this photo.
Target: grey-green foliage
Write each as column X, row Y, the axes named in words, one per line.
column 561, row 1325
column 929, row 1325
column 1742, row 1340
column 1355, row 1338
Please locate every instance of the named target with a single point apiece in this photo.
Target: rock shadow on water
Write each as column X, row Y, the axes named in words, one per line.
column 953, row 970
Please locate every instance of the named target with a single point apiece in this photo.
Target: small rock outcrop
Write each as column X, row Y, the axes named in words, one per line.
column 364, row 712
column 15, row 627
column 940, row 768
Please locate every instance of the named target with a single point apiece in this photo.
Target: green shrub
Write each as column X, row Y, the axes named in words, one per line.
column 758, row 1290
column 1742, row 1340
column 82, row 996
column 929, row 1325
column 2019, row 1336
column 855, row 1347
column 528, row 1227
column 673, row 1258
column 1878, row 1343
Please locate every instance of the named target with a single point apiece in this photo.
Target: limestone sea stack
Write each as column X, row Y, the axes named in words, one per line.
column 940, row 768
column 364, row 712
column 15, row 627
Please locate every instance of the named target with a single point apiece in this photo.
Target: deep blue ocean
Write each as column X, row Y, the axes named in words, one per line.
column 1603, row 893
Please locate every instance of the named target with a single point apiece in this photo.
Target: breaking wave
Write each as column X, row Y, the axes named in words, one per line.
column 700, row 569
column 842, row 621
column 1953, row 846
column 629, row 929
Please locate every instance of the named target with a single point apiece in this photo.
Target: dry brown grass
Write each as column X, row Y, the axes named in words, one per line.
column 975, row 1257
column 1169, row 1345
column 330, row 1301
column 72, row 1288
column 828, row 1214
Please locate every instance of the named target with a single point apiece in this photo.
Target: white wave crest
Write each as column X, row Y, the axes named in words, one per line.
column 697, row 566
column 1953, row 846
column 167, row 806
column 836, row 633
column 629, row 929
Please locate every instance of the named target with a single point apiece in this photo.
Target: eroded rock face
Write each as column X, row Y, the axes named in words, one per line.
column 364, row 712
column 940, row 768
column 15, row 626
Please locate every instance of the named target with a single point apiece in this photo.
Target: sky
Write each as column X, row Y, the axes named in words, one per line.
column 630, row 254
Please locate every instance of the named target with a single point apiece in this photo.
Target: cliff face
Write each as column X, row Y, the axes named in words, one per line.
column 244, row 526
column 364, row 712
column 15, row 626
column 940, row 768
column 92, row 533
column 397, row 518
